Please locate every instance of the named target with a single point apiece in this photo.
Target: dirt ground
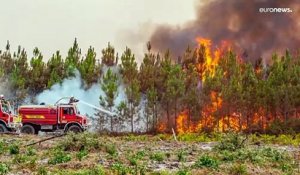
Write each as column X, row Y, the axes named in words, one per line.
column 115, row 153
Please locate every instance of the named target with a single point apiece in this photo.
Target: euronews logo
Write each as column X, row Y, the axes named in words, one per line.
column 275, row 10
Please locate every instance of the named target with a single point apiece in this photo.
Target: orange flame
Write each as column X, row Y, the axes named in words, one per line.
column 208, row 121
column 210, row 115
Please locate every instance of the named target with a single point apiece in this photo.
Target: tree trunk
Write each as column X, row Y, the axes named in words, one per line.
column 175, row 114
column 111, row 123
column 168, row 116
column 131, row 114
column 189, row 118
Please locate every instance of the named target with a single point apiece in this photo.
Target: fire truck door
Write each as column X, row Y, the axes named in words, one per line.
column 67, row 114
column 60, row 114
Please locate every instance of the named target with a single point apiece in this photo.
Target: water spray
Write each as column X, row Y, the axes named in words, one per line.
column 97, row 108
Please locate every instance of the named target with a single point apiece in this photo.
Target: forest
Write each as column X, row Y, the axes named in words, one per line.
column 208, row 88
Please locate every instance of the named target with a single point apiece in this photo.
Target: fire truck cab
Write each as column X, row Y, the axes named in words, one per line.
column 8, row 121
column 49, row 118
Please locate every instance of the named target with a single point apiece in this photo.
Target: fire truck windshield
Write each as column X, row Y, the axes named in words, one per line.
column 76, row 110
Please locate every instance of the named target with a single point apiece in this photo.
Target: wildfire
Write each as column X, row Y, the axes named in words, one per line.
column 211, row 59
column 214, row 116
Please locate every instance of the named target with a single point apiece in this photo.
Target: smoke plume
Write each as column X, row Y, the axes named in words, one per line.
column 74, row 86
column 250, row 31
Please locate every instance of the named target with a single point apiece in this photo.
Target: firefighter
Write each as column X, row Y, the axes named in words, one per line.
column 2, row 99
column 73, row 100
column 5, row 103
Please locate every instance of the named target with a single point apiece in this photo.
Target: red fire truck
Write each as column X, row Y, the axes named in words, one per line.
column 8, row 121
column 58, row 117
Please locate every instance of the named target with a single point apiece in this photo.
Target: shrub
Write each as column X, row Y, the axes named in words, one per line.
column 59, row 157
column 183, row 171
column 4, row 169
column 133, row 160
column 120, row 168
column 19, row 159
column 238, row 169
column 111, row 149
column 30, row 151
column 42, row 171
column 2, row 147
column 287, row 168
column 181, row 155
column 158, row 156
column 290, row 126
column 232, row 142
column 274, row 154
column 81, row 154
column 14, row 149
column 98, row 170
column 140, row 154
column 207, row 161
column 195, row 137
column 79, row 141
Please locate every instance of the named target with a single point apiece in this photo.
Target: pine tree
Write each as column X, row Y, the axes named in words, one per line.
column 55, row 69
column 129, row 72
column 148, row 80
column 108, row 56
column 110, row 88
column 88, row 67
column 38, row 80
column 173, row 87
column 73, row 59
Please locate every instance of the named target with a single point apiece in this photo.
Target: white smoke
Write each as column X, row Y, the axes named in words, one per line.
column 5, row 88
column 74, row 86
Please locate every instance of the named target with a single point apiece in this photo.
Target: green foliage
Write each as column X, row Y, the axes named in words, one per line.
column 134, row 158
column 260, row 98
column 4, row 169
column 110, row 86
column 238, row 169
column 207, row 161
column 158, row 156
column 38, row 79
column 97, row 170
column 88, row 68
column 196, row 137
column 120, row 169
column 55, row 67
column 129, row 72
column 3, row 147
column 183, row 171
column 111, row 149
column 81, row 141
column 181, row 155
column 72, row 59
column 58, row 157
column 42, row 170
column 14, row 149
column 30, row 151
column 19, row 159
column 287, row 168
column 108, row 55
column 81, row 154
column 232, row 142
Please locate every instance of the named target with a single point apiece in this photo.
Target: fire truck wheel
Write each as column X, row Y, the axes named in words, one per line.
column 27, row 129
column 3, row 128
column 74, row 128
